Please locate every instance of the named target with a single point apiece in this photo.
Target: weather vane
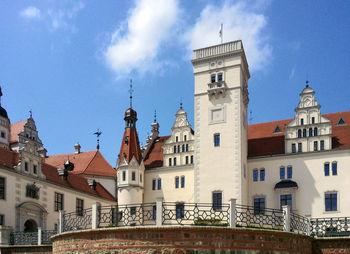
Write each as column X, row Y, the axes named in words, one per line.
column 98, row 134
column 130, row 91
column 155, row 116
column 30, row 113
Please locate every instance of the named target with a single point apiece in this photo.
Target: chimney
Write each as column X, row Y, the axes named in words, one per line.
column 63, row 173
column 77, row 148
column 92, row 183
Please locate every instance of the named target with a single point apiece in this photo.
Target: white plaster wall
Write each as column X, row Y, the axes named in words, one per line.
column 108, row 183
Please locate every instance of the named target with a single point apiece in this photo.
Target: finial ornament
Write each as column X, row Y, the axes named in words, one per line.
column 98, row 134
column 307, row 83
column 131, row 91
column 0, row 95
column 180, row 103
column 30, row 113
column 155, row 116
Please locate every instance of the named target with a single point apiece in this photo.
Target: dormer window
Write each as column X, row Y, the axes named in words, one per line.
column 277, row 129
column 341, row 121
column 126, row 140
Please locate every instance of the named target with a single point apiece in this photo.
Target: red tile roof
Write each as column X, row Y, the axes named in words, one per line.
column 131, row 147
column 86, row 163
column 154, row 158
column 8, row 158
column 15, row 129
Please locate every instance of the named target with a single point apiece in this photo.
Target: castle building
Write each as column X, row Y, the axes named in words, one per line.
column 299, row 162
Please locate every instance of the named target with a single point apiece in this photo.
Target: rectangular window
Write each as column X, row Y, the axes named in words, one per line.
column 299, row 133
column 159, row 184
column 326, row 169
column 154, row 212
column 170, row 162
column 282, row 173
column 330, row 201
column 334, row 168
column 259, row 206
column 300, row 147
column 177, row 182
column 304, row 133
column 219, row 77
column 140, row 178
column 183, row 148
column 79, row 207
column 286, row 200
column 289, row 172
column 26, row 166
column 182, row 182
column 2, row 220
column 3, row 134
column 59, row 201
column 315, row 145
column 133, row 176
column 153, row 184
column 34, row 169
column 262, row 174
column 178, row 149
column 213, row 78
column 216, row 139
column 180, row 211
column 310, row 132
column 2, row 188
column 301, row 121
column 174, row 149
column 186, row 147
column 294, row 149
column 322, row 145
column 124, row 175
column 191, row 159
column 217, row 200
column 185, row 137
column 186, row 159
column 315, row 132
column 177, row 139
column 174, row 161
column 255, row 175
column 313, row 120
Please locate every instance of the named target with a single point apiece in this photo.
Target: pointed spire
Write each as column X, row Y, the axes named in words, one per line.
column 131, row 91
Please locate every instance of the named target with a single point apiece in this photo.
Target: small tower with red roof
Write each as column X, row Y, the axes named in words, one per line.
column 130, row 165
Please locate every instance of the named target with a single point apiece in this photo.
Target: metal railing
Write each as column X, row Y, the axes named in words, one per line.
column 137, row 214
column 32, row 238
column 299, row 224
column 252, row 217
column 330, row 227
column 77, row 220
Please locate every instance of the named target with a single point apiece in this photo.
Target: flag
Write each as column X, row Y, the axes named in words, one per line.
column 221, row 32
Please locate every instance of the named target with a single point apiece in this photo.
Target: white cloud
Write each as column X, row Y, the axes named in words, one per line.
column 31, row 12
column 60, row 18
column 292, row 73
column 240, row 23
column 136, row 45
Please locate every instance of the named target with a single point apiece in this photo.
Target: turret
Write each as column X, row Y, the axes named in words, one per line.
column 4, row 126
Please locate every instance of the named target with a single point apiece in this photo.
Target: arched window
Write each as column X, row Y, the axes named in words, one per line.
column 304, row 133
column 310, row 132
column 299, row 133
column 315, row 131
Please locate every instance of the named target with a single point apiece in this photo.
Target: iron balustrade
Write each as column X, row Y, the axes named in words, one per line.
column 24, row 238
column 299, row 224
column 253, row 217
column 195, row 214
column 46, row 236
column 137, row 214
column 107, row 216
column 77, row 220
column 328, row 227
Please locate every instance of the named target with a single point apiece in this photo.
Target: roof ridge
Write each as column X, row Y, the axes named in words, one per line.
column 93, row 157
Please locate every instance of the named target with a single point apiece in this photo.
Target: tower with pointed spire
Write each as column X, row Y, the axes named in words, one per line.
column 4, row 126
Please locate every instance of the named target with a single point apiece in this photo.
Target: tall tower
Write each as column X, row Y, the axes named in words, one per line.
column 221, row 99
column 4, row 126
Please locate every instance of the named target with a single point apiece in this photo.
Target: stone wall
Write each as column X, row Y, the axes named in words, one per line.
column 331, row 245
column 44, row 249
column 181, row 240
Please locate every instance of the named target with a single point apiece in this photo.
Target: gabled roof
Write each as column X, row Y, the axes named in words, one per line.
column 130, row 146
column 8, row 158
column 154, row 158
column 15, row 129
column 87, row 163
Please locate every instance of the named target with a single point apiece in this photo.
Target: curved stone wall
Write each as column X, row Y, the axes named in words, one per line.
column 180, row 240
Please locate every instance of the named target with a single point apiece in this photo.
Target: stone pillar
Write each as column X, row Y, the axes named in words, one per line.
column 5, row 232
column 232, row 214
column 39, row 235
column 94, row 216
column 286, row 218
column 60, row 221
column 159, row 214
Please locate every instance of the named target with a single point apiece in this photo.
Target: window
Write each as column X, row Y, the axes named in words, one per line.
column 185, row 137
column 79, row 207
column 177, row 182
column 133, row 175
column 217, row 200
column 301, row 121
column 124, row 175
column 153, row 184
column 216, row 139
column 32, row 191
column 315, row 131
column 159, row 184
column 219, row 77
column 186, row 159
column 170, row 162
column 304, row 133
column 326, row 169
column 259, row 206
column 255, row 175
column 174, row 149
column 322, row 145
column 191, row 159
column 180, row 211
column 315, row 145
column 186, row 147
column 35, row 171
column 299, row 133
column 2, row 220
column 174, row 161
column 313, row 120
column 330, row 201
column 2, row 188
column 286, row 200
column 178, row 149
column 262, row 174
column 294, row 149
column 334, row 168
column 140, row 178
column 213, row 78
column 154, row 212
column 183, row 147
column 26, row 166
column 282, row 173
column 310, row 132
column 182, row 182
column 177, row 139
column 59, row 202
column 300, row 147
column 132, row 210
column 289, row 172
column 3, row 134
column 341, row 121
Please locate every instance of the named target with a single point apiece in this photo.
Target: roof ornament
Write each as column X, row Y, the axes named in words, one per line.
column 30, row 113
column 98, row 134
column 180, row 103
column 0, row 95
column 131, row 91
column 307, row 83
column 155, row 116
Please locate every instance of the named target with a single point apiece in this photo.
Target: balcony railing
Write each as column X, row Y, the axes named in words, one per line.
column 217, row 89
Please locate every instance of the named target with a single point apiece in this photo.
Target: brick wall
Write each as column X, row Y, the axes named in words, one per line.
column 181, row 240
column 331, row 245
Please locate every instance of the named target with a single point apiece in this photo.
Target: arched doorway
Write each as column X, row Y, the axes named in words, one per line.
column 30, row 226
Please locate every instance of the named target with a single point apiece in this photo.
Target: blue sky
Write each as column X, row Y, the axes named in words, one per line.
column 71, row 61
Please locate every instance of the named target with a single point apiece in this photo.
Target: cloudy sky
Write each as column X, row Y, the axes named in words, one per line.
column 70, row 62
